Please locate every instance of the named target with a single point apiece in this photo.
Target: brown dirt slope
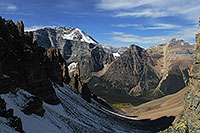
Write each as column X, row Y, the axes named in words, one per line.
column 171, row 105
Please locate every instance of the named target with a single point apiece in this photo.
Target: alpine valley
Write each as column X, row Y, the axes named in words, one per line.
column 62, row 80
column 122, row 75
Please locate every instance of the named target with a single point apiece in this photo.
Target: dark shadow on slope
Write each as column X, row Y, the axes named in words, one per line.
column 147, row 125
column 159, row 124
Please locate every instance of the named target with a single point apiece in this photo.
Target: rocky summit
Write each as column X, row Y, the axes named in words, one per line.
column 131, row 74
column 76, row 47
column 140, row 75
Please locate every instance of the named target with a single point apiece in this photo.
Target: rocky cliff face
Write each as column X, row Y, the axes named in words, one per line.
column 192, row 101
column 130, row 75
column 25, row 65
column 146, row 73
column 133, row 70
column 190, row 122
column 174, row 54
column 76, row 47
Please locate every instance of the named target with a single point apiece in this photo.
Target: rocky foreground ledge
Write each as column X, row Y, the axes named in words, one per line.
column 191, row 115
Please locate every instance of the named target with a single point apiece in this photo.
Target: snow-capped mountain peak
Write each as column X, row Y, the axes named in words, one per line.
column 75, row 34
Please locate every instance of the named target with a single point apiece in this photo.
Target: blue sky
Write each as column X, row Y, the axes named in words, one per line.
column 113, row 22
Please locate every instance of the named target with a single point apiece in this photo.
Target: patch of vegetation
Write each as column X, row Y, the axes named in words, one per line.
column 179, row 128
column 122, row 105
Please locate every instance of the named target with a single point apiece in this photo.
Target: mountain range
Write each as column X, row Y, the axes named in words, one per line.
column 130, row 75
column 54, row 79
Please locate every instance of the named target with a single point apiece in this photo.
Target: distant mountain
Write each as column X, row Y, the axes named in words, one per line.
column 116, row 51
column 134, row 74
column 65, row 33
column 140, row 75
column 170, row 57
column 76, row 46
column 129, row 76
column 174, row 53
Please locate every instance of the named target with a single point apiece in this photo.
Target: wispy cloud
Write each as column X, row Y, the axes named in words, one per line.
column 125, row 25
column 36, row 27
column 132, row 38
column 186, row 33
column 161, row 26
column 8, row 7
column 152, row 8
column 122, row 4
column 16, row 13
column 156, row 26
column 143, row 13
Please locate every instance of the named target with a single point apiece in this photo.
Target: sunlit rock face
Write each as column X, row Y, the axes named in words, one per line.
column 192, row 99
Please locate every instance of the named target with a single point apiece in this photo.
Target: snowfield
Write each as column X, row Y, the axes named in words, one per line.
column 73, row 115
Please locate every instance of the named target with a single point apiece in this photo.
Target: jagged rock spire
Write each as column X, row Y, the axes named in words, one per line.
column 20, row 27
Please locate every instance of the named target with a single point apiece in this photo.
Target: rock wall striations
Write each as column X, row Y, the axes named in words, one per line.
column 190, row 122
column 192, row 97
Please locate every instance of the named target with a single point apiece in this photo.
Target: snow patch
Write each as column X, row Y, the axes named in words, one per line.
column 73, row 114
column 5, row 76
column 72, row 68
column 116, row 55
column 51, row 122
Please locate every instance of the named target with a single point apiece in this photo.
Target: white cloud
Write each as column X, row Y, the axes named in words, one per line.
column 16, row 13
column 161, row 26
column 125, row 25
column 187, row 34
column 118, row 33
column 11, row 7
column 36, row 27
column 152, row 27
column 140, row 40
column 143, row 13
column 122, row 4
column 187, row 9
column 8, row 7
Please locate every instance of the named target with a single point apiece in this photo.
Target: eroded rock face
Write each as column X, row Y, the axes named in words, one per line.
column 172, row 83
column 133, row 69
column 91, row 57
column 20, row 27
column 192, row 99
column 94, row 61
column 56, row 66
column 78, row 86
column 191, row 112
column 131, row 74
column 24, row 64
column 175, row 53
